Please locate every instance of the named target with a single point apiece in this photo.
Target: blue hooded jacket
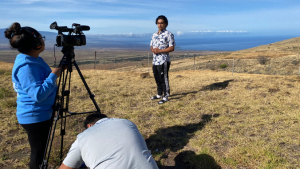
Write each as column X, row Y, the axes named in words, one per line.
column 36, row 89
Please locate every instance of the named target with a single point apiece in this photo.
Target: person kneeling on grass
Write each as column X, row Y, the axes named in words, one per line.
column 109, row 143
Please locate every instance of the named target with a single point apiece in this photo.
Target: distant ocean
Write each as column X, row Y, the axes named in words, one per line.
column 216, row 43
column 228, row 43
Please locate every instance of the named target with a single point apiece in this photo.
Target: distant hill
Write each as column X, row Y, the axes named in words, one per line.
column 3, row 40
column 50, row 39
column 273, row 50
column 280, row 58
column 93, row 41
column 216, row 41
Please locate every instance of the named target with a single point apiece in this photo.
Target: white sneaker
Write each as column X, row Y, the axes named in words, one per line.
column 155, row 97
column 164, row 100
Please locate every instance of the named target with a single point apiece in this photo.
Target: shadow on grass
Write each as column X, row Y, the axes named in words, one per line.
column 189, row 160
column 214, row 86
column 217, row 86
column 175, row 138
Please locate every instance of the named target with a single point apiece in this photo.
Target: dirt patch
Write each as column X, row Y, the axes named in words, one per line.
column 273, row 90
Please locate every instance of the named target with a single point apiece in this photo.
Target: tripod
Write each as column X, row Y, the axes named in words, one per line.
column 61, row 105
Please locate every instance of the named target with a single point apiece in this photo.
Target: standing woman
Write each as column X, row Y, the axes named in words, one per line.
column 35, row 85
column 162, row 43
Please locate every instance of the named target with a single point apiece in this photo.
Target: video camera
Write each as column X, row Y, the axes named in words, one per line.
column 70, row 40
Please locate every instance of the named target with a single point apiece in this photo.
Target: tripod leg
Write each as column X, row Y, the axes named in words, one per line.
column 56, row 108
column 62, row 133
column 44, row 165
column 86, row 86
column 65, row 105
column 59, row 107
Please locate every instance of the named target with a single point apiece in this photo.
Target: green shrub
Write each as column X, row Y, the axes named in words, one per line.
column 262, row 59
column 2, row 72
column 5, row 93
column 8, row 103
column 8, row 72
column 5, row 157
column 5, row 72
column 223, row 66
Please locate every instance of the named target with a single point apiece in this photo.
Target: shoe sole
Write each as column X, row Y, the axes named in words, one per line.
column 162, row 102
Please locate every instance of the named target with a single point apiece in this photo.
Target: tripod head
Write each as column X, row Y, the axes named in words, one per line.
column 68, row 57
column 68, row 51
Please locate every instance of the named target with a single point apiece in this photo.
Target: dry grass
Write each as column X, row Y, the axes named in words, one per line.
column 286, row 65
column 213, row 119
column 283, row 59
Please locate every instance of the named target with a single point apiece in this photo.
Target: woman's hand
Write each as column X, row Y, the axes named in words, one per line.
column 57, row 71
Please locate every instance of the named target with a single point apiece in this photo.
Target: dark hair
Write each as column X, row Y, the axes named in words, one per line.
column 21, row 40
column 163, row 18
column 93, row 118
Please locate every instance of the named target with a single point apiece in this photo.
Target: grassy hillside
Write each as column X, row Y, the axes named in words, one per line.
column 280, row 58
column 105, row 59
column 213, row 119
column 274, row 50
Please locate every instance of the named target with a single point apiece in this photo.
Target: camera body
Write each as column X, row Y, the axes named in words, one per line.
column 70, row 40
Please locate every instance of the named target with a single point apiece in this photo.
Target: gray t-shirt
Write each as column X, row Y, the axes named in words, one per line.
column 110, row 144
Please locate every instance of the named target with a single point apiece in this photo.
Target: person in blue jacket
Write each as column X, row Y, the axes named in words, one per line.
column 34, row 82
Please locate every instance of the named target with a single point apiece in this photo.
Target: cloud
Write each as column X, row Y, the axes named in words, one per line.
column 179, row 33
column 113, row 26
column 109, row 1
column 134, row 35
column 119, row 16
column 231, row 31
column 38, row 1
column 256, row 20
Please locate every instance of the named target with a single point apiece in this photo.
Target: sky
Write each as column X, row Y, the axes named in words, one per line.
column 267, row 17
